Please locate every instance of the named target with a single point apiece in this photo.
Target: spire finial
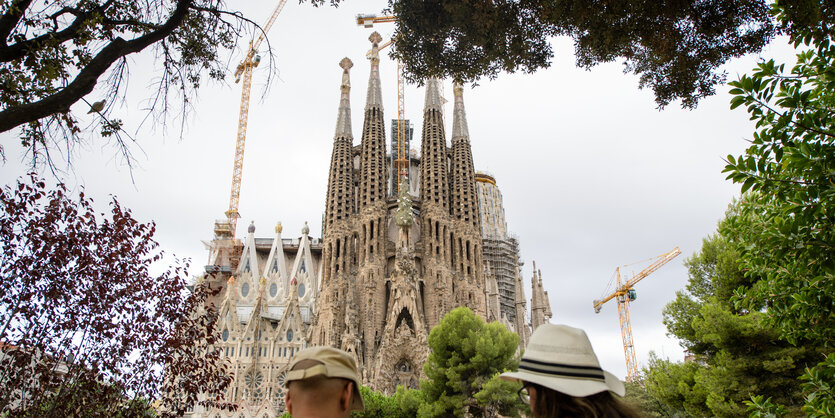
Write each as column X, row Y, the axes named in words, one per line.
column 305, row 229
column 343, row 119
column 374, row 55
column 346, row 65
column 433, row 95
column 278, row 228
column 375, row 38
column 374, row 98
column 459, row 115
column 251, row 228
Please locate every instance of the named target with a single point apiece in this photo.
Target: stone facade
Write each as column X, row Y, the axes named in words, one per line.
column 385, row 286
column 392, row 261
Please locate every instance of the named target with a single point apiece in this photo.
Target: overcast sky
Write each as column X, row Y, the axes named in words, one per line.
column 593, row 175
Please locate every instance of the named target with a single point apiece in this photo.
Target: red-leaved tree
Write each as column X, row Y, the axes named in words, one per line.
column 85, row 328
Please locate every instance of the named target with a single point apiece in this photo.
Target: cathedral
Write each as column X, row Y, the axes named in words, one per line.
column 400, row 248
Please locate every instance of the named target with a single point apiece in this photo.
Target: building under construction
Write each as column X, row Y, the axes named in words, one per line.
column 400, row 248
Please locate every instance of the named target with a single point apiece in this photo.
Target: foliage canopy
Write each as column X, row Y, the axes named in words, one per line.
column 781, row 236
column 54, row 53
column 463, row 367
column 84, row 325
column 674, row 47
column 736, row 353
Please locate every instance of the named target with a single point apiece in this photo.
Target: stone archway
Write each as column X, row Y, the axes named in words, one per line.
column 405, row 375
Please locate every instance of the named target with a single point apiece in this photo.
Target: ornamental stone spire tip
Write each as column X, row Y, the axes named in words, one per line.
column 433, row 95
column 459, row 115
column 343, row 119
column 375, row 38
column 374, row 99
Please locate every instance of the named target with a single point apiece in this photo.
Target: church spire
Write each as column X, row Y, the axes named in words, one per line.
column 459, row 116
column 434, row 177
column 464, row 205
column 343, row 119
column 375, row 95
column 339, row 203
column 373, row 151
column 540, row 306
column 521, row 324
column 433, row 99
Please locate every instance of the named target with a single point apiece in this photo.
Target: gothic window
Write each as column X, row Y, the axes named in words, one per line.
column 225, row 335
column 254, row 381
column 289, row 335
column 244, row 289
column 273, row 289
column 246, row 267
column 302, row 267
column 301, row 290
column 275, row 265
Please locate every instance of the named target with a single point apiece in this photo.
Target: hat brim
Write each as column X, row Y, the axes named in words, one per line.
column 577, row 387
column 356, row 403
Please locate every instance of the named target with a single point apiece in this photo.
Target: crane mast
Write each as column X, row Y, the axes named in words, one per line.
column 243, row 72
column 624, row 293
column 223, row 252
column 401, row 162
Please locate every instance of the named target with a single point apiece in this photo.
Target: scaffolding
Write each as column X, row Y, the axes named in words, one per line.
column 502, row 254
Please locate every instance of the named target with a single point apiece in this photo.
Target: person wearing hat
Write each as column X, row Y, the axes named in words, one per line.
column 561, row 376
column 322, row 382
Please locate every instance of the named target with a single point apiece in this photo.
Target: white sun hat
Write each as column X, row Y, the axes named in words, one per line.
column 561, row 358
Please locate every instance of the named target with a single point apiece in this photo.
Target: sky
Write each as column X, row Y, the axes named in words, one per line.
column 592, row 174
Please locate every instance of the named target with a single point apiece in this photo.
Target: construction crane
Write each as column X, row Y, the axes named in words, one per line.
column 626, row 294
column 401, row 162
column 243, row 72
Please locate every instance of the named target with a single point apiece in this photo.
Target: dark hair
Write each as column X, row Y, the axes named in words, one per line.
column 552, row 404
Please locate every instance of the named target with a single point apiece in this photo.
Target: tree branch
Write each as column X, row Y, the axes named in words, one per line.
column 9, row 19
column 87, row 78
column 19, row 50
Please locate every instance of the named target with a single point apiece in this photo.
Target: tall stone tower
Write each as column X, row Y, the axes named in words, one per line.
column 540, row 304
column 387, row 269
column 394, row 265
column 501, row 251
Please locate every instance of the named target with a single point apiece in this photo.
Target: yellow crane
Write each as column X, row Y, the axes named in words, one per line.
column 243, row 72
column 626, row 294
column 401, row 162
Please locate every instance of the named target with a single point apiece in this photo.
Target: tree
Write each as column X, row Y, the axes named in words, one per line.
column 467, row 355
column 84, row 325
column 675, row 47
column 737, row 354
column 377, row 405
column 786, row 229
column 54, row 53
column 640, row 399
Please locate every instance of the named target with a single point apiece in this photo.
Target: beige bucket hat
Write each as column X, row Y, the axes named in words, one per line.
column 561, row 358
column 328, row 362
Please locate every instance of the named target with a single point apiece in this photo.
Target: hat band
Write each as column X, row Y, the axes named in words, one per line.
column 317, row 370
column 558, row 369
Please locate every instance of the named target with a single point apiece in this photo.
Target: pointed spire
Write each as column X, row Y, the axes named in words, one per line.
column 340, row 180
column 343, row 119
column 459, row 115
column 434, row 172
column 521, row 324
column 373, row 174
column 375, row 95
column 540, row 306
column 433, row 95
